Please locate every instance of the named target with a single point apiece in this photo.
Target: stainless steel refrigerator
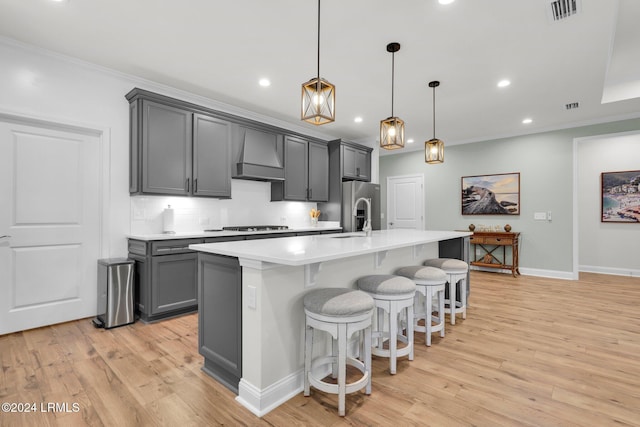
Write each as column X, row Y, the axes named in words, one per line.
column 352, row 191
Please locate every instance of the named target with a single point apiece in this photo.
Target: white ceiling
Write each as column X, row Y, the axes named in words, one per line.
column 220, row 49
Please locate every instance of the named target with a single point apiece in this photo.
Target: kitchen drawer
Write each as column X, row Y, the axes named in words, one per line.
column 166, row 247
column 497, row 241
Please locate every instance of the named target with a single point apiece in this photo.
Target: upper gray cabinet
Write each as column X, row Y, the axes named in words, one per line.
column 306, row 172
column 356, row 162
column 175, row 150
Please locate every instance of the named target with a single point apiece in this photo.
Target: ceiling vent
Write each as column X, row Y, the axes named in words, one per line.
column 571, row 106
column 559, row 10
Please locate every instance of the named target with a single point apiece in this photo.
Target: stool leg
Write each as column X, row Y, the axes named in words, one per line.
column 342, row 368
column 334, row 352
column 410, row 330
column 452, row 300
column 428, row 302
column 441, row 310
column 366, row 354
column 463, row 297
column 308, row 342
column 380, row 328
column 393, row 336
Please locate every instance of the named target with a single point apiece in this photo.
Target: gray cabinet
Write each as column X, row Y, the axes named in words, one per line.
column 175, row 150
column 306, row 172
column 356, row 163
column 165, row 277
column 220, row 317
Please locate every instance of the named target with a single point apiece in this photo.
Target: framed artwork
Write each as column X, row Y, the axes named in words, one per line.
column 620, row 196
column 491, row 194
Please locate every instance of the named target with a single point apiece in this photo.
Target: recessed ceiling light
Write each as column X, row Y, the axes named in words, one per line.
column 526, row 121
column 264, row 82
column 446, row 1
column 410, row 141
column 358, row 119
column 504, row 83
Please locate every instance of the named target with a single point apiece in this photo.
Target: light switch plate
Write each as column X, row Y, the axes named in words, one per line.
column 540, row 216
column 251, row 296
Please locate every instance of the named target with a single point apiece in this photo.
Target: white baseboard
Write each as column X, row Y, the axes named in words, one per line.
column 629, row 272
column 261, row 402
column 553, row 274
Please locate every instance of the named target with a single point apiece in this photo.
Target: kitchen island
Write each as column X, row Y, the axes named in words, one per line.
column 251, row 320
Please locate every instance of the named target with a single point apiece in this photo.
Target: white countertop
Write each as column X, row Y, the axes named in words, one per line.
column 225, row 233
column 303, row 250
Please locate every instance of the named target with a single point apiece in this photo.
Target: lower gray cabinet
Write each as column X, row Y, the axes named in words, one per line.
column 165, row 277
column 174, row 283
column 220, row 317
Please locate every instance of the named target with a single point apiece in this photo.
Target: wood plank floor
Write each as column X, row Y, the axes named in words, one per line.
column 532, row 352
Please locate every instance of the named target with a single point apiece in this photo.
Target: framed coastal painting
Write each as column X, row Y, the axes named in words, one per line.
column 491, row 194
column 620, row 196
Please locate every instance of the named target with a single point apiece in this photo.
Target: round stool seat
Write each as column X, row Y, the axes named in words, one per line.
column 449, row 265
column 386, row 284
column 424, row 274
column 338, row 302
column 393, row 295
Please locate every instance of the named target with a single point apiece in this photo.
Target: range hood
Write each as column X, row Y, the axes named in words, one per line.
column 260, row 156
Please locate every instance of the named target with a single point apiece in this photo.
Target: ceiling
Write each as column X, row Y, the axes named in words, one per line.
column 221, row 49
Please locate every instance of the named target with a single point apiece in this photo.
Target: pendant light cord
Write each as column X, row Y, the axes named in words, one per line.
column 393, row 70
column 318, row 44
column 434, row 112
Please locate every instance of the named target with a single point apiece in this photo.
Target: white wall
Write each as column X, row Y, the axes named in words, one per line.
column 606, row 247
column 47, row 86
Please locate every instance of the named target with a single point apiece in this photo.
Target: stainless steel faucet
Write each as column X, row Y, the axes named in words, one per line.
column 367, row 223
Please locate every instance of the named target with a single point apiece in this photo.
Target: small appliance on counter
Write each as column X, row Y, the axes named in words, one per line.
column 351, row 192
column 115, row 293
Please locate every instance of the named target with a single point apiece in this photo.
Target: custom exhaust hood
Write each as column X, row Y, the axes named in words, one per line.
column 260, row 156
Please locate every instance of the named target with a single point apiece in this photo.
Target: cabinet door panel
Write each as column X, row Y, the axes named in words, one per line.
column 295, row 169
column 174, row 279
column 348, row 162
column 363, row 165
column 166, row 149
column 211, row 156
column 318, row 172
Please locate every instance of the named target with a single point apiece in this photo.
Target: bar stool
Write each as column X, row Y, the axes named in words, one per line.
column 457, row 271
column 430, row 282
column 392, row 295
column 340, row 312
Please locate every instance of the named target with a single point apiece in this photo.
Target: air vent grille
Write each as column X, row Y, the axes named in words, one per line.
column 572, row 106
column 563, row 9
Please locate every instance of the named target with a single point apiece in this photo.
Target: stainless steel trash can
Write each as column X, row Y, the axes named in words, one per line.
column 115, row 293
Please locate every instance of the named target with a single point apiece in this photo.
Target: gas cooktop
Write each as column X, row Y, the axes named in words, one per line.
column 255, row 227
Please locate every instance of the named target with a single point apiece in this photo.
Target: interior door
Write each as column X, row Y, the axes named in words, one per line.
column 405, row 202
column 50, row 211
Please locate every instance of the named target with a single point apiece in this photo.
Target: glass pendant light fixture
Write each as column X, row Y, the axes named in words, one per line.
column 318, row 95
column 434, row 148
column 392, row 128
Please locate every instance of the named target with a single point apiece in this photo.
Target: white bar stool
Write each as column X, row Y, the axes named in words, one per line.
column 457, row 270
column 393, row 295
column 340, row 312
column 430, row 282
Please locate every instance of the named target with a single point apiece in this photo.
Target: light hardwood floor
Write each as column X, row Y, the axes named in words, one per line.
column 532, row 352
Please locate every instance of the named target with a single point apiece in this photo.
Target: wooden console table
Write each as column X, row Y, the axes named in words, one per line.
column 489, row 242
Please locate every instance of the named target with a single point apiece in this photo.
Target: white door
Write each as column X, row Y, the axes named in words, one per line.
column 50, row 211
column 405, row 206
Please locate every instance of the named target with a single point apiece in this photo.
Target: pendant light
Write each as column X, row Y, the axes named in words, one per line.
column 434, row 148
column 392, row 128
column 318, row 95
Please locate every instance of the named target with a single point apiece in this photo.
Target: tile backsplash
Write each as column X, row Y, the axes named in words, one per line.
column 250, row 205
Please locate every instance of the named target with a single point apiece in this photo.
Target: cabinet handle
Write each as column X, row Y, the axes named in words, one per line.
column 358, row 171
column 163, row 249
column 187, row 185
column 5, row 237
column 195, row 185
